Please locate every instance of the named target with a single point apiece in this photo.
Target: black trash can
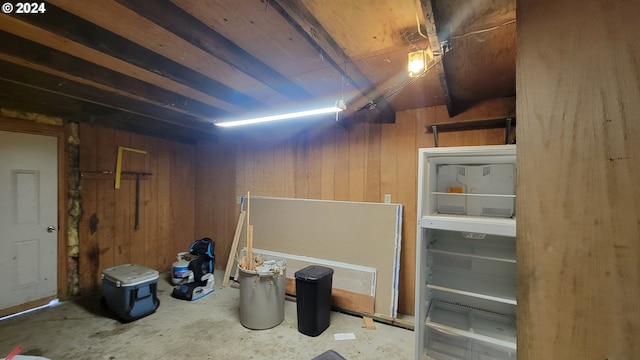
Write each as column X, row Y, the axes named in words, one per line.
column 313, row 299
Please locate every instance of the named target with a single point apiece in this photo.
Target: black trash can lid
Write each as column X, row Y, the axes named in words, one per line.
column 313, row 273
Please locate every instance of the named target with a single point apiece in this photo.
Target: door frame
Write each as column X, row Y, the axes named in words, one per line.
column 32, row 127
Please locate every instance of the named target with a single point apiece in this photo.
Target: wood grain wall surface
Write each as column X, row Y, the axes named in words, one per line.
column 193, row 190
column 578, row 239
column 360, row 163
column 167, row 198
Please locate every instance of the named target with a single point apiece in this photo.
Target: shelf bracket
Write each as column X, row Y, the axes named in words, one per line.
column 435, row 135
column 507, row 132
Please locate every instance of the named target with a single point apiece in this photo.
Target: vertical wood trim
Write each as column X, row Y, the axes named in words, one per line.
column 577, row 187
column 89, row 257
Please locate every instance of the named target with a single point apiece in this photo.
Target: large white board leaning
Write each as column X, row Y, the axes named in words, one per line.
column 358, row 233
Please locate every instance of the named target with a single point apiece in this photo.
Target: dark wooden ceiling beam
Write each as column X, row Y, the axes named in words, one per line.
column 176, row 20
column 32, row 52
column 65, row 24
column 303, row 21
column 434, row 44
column 24, row 98
column 17, row 74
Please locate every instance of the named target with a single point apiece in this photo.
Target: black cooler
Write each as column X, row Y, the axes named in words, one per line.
column 313, row 299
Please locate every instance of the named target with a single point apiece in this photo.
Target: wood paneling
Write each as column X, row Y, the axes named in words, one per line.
column 166, row 203
column 361, row 162
column 578, row 232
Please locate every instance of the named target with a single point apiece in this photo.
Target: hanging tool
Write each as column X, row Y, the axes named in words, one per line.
column 137, row 213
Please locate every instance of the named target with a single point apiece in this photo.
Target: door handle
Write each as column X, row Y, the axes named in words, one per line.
column 51, row 228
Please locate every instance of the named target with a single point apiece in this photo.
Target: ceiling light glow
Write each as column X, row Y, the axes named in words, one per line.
column 328, row 110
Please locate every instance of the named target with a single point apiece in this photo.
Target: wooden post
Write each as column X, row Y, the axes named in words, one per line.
column 234, row 248
column 249, row 235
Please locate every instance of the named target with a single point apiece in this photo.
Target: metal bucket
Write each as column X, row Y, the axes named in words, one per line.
column 262, row 297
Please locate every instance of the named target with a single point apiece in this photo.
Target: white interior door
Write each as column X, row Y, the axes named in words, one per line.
column 28, row 218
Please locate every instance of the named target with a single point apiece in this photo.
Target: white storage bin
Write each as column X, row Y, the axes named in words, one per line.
column 485, row 351
column 444, row 346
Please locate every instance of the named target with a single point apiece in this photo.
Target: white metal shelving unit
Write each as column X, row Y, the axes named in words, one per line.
column 466, row 258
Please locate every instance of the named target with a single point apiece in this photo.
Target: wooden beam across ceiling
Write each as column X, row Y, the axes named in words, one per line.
column 17, row 75
column 20, row 50
column 29, row 99
column 65, row 24
column 179, row 22
column 301, row 19
column 434, row 44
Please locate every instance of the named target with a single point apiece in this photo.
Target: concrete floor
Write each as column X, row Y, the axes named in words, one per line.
column 209, row 328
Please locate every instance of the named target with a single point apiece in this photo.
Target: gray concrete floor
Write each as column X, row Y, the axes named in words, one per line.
column 208, row 328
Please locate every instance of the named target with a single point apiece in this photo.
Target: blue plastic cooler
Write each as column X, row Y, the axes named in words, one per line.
column 130, row 291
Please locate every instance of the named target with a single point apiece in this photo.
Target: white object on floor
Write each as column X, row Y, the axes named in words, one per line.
column 28, row 357
column 344, row 336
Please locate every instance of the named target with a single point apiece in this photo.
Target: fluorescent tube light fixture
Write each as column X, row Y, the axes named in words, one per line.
column 340, row 106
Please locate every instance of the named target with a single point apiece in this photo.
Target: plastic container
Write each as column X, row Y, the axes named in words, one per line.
column 180, row 268
column 313, row 299
column 130, row 291
column 262, row 296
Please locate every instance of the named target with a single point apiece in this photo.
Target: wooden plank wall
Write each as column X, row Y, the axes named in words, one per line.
column 360, row 163
column 167, row 203
column 578, row 170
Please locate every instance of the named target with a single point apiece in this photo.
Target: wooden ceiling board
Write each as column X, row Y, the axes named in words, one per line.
column 185, row 25
column 258, row 29
column 180, row 61
column 388, row 72
column 362, row 27
column 482, row 66
column 463, row 16
column 128, row 24
column 418, row 92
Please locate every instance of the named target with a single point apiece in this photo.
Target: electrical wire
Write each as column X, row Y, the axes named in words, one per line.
column 415, row 5
column 483, row 30
column 405, row 85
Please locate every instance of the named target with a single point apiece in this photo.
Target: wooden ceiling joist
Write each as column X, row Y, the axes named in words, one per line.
column 65, row 87
column 186, row 26
column 25, row 98
column 301, row 19
column 434, row 44
column 65, row 24
column 32, row 52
